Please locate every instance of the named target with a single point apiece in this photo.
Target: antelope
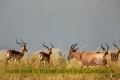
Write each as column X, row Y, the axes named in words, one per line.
column 18, row 55
column 114, row 56
column 89, row 58
column 46, row 56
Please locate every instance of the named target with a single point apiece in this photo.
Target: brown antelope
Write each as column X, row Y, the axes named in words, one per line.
column 88, row 58
column 114, row 56
column 16, row 54
column 46, row 56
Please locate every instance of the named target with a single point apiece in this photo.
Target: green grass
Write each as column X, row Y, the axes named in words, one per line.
column 57, row 61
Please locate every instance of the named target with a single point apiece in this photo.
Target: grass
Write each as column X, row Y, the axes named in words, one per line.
column 58, row 60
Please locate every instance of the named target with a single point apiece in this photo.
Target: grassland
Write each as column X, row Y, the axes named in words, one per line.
column 58, row 60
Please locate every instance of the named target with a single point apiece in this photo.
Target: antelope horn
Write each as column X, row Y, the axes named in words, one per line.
column 45, row 46
column 107, row 46
column 114, row 44
column 52, row 45
column 17, row 42
column 23, row 42
column 74, row 46
column 102, row 47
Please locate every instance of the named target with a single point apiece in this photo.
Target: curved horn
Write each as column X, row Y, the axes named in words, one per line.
column 114, row 44
column 52, row 45
column 23, row 42
column 107, row 46
column 17, row 42
column 102, row 47
column 45, row 46
column 74, row 46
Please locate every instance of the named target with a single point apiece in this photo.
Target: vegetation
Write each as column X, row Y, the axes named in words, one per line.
column 58, row 60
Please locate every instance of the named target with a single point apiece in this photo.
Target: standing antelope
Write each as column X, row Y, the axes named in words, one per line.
column 114, row 56
column 18, row 55
column 46, row 56
column 88, row 58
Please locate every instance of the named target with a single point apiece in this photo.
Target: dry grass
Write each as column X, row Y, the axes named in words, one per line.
column 57, row 61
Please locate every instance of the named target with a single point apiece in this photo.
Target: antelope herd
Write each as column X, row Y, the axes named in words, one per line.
column 87, row 58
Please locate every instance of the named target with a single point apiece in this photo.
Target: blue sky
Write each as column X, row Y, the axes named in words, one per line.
column 61, row 22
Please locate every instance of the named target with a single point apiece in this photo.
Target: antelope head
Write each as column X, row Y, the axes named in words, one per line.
column 72, row 50
column 23, row 46
column 105, row 50
column 118, row 49
column 49, row 49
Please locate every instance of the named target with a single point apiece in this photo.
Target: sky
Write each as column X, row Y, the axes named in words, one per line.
column 61, row 22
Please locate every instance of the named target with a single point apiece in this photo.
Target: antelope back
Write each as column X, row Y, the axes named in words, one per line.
column 92, row 56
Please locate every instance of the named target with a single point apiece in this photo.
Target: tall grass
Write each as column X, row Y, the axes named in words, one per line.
column 58, row 60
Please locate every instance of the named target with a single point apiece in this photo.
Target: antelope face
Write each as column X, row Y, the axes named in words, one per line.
column 72, row 50
column 49, row 49
column 70, row 56
column 23, row 46
column 105, row 50
column 118, row 50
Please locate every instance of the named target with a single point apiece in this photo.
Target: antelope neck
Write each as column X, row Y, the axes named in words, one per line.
column 77, row 55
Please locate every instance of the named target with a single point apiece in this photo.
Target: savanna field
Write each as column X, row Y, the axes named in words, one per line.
column 58, row 60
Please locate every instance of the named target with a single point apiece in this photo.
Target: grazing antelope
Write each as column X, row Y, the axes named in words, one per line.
column 18, row 55
column 89, row 58
column 114, row 56
column 46, row 56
